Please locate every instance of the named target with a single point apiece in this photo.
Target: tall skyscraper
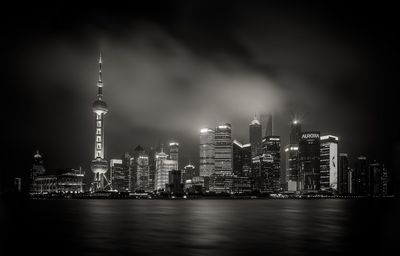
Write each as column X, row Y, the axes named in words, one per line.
column 361, row 177
column 174, row 151
column 378, row 180
column 99, row 165
column 343, row 174
column 237, row 165
column 272, row 147
column 292, row 167
column 119, row 175
column 207, row 152
column 152, row 167
column 295, row 132
column 267, row 122
column 223, row 150
column 163, row 167
column 309, row 160
column 328, row 163
column 255, row 135
column 142, row 162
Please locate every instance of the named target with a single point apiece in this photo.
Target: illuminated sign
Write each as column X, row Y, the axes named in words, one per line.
column 310, row 136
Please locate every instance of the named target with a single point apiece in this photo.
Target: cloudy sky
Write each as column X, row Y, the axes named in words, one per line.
column 170, row 69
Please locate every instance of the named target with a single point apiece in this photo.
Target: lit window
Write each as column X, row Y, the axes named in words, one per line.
column 98, row 131
column 98, row 117
column 98, row 154
column 98, row 138
column 98, row 123
column 98, row 145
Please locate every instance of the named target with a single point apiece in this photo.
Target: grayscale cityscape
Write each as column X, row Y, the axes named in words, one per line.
column 200, row 128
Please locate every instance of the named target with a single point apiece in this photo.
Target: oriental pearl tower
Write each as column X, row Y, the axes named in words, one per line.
column 99, row 165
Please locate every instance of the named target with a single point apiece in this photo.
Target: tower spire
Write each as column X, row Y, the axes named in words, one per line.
column 100, row 81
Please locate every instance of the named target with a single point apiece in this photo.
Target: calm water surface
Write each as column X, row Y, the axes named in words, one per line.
column 201, row 227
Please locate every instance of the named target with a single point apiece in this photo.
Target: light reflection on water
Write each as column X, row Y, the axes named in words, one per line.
column 198, row 227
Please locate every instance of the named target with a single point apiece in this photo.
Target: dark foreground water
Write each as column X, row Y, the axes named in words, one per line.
column 201, row 227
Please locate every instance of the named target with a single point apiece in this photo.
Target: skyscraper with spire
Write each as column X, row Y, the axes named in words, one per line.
column 99, row 165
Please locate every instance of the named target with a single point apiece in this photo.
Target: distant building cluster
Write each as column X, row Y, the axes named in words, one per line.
column 313, row 164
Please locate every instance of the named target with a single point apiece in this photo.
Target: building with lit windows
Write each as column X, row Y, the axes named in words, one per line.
column 361, row 177
column 99, row 165
column 272, row 147
column 58, row 181
column 174, row 151
column 207, row 152
column 223, row 150
column 163, row 167
column 119, row 175
column 329, row 163
column 378, row 180
column 255, row 135
column 142, row 172
column 295, row 132
column 189, row 171
column 344, row 179
column 309, row 161
column 292, row 167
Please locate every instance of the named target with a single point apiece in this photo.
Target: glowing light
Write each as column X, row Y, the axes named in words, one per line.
column 173, row 144
column 327, row 137
column 205, row 130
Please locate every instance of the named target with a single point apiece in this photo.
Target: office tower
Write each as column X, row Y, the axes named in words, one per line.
column 272, row 147
column 99, row 165
column 189, row 171
column 267, row 122
column 344, row 181
column 309, row 160
column 246, row 160
column 350, row 181
column 378, row 179
column 207, row 152
column 292, row 167
column 328, row 163
column 255, row 135
column 262, row 172
column 223, row 150
column 37, row 167
column 175, row 185
column 343, row 174
column 152, row 167
column 128, row 165
column 361, row 178
column 163, row 167
column 174, row 151
column 142, row 173
column 237, row 165
column 119, row 175
column 295, row 132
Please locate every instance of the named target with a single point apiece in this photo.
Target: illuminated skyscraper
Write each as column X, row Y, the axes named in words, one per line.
column 255, row 134
column 142, row 173
column 295, row 132
column 174, row 151
column 223, row 150
column 272, row 147
column 309, row 160
column 99, row 165
column 207, row 152
column 119, row 175
column 189, row 171
column 163, row 167
column 292, row 167
column 328, row 163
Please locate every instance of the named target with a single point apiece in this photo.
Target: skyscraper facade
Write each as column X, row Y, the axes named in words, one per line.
column 174, row 151
column 207, row 152
column 343, row 174
column 328, row 163
column 255, row 135
column 272, row 148
column 295, row 132
column 223, row 150
column 309, row 160
column 142, row 162
column 237, row 165
column 378, row 180
column 99, row 165
column 361, row 177
column 119, row 175
column 163, row 167
column 189, row 171
column 292, row 167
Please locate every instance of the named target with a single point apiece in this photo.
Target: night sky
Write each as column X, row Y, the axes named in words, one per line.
column 171, row 68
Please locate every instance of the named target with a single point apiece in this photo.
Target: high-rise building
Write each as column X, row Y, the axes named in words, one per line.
column 246, row 160
column 272, row 147
column 128, row 165
column 328, row 163
column 189, row 171
column 174, row 151
column 237, row 165
column 143, row 172
column 361, row 177
column 152, row 167
column 262, row 172
column 119, row 175
column 37, row 167
column 292, row 167
column 378, row 179
column 99, row 165
column 267, row 122
column 344, row 180
column 175, row 185
column 223, row 150
column 309, row 161
column 255, row 135
column 207, row 152
column 163, row 167
column 295, row 132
